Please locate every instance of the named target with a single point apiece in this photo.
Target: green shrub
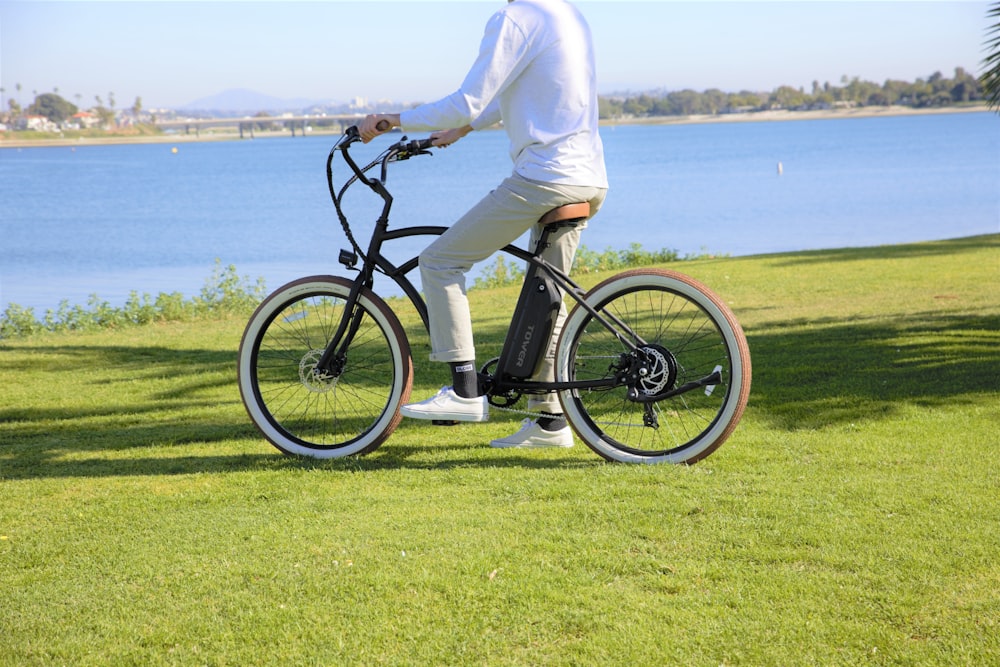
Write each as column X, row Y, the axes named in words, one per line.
column 500, row 273
column 17, row 321
column 173, row 308
column 224, row 292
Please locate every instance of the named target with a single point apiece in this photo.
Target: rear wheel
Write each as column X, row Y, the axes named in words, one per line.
column 690, row 378
column 300, row 411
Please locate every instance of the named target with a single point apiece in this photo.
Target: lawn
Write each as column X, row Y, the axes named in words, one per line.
column 851, row 519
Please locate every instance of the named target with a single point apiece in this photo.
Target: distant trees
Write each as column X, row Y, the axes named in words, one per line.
column 53, row 107
column 15, row 107
column 934, row 91
column 106, row 115
column 57, row 110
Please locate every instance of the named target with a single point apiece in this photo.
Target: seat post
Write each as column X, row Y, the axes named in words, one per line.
column 543, row 239
column 568, row 215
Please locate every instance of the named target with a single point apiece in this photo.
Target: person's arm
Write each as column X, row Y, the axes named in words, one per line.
column 490, row 116
column 448, row 137
column 474, row 103
column 502, row 57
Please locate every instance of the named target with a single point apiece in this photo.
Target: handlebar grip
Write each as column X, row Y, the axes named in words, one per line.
column 383, row 125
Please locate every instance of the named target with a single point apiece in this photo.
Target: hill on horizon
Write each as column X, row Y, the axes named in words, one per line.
column 248, row 101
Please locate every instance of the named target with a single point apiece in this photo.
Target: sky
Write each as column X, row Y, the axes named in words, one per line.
column 172, row 53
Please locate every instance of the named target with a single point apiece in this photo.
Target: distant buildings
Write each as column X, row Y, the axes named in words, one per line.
column 36, row 123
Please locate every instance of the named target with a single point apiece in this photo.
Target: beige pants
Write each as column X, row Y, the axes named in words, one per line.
column 498, row 219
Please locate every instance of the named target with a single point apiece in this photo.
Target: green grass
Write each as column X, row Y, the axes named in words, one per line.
column 851, row 519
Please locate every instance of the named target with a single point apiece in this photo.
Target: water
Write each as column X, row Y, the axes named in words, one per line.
column 108, row 220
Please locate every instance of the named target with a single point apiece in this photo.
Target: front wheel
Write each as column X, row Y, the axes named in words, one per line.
column 299, row 411
column 681, row 393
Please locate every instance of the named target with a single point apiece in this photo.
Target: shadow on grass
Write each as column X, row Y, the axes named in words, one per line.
column 41, row 461
column 134, row 411
column 807, row 375
column 842, row 372
column 904, row 251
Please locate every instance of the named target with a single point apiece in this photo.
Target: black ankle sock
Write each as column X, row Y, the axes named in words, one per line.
column 550, row 422
column 464, row 379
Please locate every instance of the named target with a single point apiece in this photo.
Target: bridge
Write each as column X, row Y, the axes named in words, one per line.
column 249, row 123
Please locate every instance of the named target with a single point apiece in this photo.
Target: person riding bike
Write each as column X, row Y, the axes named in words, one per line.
column 535, row 73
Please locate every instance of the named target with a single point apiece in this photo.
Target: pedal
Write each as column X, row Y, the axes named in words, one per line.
column 444, row 422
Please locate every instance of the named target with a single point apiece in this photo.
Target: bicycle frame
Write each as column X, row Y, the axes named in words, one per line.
column 373, row 261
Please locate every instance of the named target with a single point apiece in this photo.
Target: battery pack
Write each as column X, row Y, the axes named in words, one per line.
column 533, row 321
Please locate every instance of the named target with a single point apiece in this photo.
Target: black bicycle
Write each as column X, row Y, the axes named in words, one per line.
column 651, row 365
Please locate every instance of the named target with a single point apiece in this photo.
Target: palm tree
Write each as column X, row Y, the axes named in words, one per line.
column 990, row 78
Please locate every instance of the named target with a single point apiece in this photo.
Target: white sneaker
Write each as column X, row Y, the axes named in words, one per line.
column 532, row 435
column 446, row 405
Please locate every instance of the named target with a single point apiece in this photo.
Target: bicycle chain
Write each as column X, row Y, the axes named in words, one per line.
column 529, row 413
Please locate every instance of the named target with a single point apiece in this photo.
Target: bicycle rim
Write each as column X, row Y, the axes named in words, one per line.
column 301, row 413
column 692, row 334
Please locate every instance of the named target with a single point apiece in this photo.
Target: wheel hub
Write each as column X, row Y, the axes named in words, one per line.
column 657, row 371
column 313, row 379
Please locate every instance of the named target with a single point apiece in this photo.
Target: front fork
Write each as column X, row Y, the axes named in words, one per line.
column 334, row 358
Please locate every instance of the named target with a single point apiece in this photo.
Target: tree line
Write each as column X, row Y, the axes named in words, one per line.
column 57, row 109
column 934, row 91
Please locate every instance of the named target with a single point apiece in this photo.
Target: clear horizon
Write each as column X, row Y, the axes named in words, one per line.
column 171, row 54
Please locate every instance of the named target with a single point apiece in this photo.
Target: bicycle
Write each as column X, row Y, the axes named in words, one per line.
column 651, row 365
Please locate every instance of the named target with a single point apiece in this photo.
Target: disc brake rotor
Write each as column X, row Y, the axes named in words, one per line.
column 311, row 380
column 659, row 372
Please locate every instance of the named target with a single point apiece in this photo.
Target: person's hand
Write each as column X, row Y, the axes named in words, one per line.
column 377, row 123
column 446, row 138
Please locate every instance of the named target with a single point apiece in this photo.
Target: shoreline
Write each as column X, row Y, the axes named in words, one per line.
column 119, row 297
column 784, row 115
column 749, row 117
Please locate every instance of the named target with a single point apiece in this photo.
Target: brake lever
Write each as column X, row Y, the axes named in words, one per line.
column 406, row 150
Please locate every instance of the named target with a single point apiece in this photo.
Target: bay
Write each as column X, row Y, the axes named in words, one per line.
column 111, row 219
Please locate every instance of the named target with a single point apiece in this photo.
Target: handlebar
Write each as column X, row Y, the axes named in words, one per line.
column 416, row 146
column 403, row 149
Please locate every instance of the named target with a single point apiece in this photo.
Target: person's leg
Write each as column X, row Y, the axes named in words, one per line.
column 551, row 429
column 563, row 244
column 498, row 219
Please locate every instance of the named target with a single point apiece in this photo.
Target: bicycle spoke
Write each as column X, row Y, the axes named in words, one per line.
column 687, row 346
column 319, row 414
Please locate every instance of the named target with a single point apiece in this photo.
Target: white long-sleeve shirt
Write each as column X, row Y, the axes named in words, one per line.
column 535, row 72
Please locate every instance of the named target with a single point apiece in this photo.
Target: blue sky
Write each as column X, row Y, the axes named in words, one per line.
column 172, row 53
